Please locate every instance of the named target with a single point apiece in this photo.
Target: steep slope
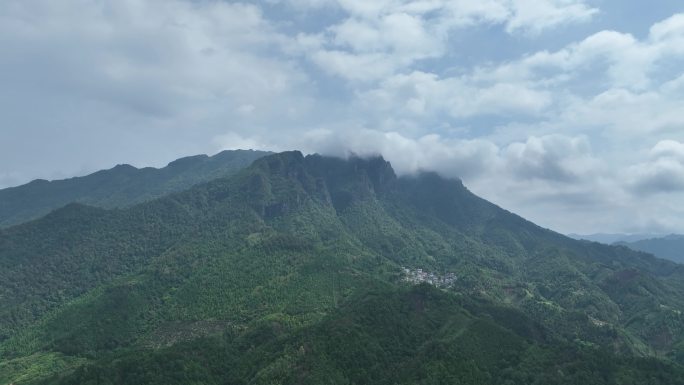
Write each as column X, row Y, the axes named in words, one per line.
column 285, row 252
column 670, row 247
column 121, row 186
column 418, row 335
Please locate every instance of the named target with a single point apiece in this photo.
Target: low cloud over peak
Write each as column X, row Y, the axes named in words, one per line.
column 565, row 111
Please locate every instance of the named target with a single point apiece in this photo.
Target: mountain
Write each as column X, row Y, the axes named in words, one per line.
column 609, row 239
column 121, row 186
column 669, row 247
column 310, row 270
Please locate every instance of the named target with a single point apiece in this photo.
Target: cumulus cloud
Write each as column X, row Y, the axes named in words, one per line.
column 663, row 172
column 393, row 35
column 555, row 158
column 120, row 74
column 668, row 149
column 626, row 61
column 127, row 50
column 626, row 113
column 671, row 28
column 421, row 94
column 571, row 134
column 534, row 16
column 456, row 158
column 554, row 161
column 607, row 81
column 516, row 15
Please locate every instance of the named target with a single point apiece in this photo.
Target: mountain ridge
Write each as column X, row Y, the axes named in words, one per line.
column 610, row 239
column 120, row 186
column 284, row 246
column 670, row 247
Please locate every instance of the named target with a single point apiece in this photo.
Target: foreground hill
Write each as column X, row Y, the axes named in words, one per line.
column 121, row 186
column 669, row 247
column 314, row 270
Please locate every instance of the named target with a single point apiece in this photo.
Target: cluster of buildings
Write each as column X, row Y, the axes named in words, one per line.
column 416, row 276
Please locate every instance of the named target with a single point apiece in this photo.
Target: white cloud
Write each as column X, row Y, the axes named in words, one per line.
column 425, row 94
column 586, row 132
column 671, row 28
column 625, row 61
column 306, row 4
column 154, row 57
column 660, row 176
column 517, row 15
column 123, row 77
column 609, row 84
column 234, row 141
column 668, row 149
column 534, row 16
column 452, row 157
column 556, row 158
column 663, row 172
column 622, row 112
column 402, row 34
column 395, row 34
column 364, row 67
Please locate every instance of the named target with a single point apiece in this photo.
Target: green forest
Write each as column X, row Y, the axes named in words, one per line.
column 292, row 270
column 121, row 186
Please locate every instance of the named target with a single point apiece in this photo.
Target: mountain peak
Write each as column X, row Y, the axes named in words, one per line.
column 375, row 170
column 378, row 171
column 120, row 186
column 338, row 181
column 296, row 246
column 187, row 161
column 289, row 164
column 123, row 167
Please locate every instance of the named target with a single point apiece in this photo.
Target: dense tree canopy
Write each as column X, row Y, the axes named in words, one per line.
column 293, row 271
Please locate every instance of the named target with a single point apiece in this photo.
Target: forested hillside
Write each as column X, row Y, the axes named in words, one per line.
column 121, row 186
column 309, row 270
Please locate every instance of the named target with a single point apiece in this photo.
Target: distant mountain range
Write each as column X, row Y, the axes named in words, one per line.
column 669, row 247
column 315, row 270
column 118, row 187
column 609, row 239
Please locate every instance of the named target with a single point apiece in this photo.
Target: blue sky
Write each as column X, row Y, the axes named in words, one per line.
column 567, row 112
